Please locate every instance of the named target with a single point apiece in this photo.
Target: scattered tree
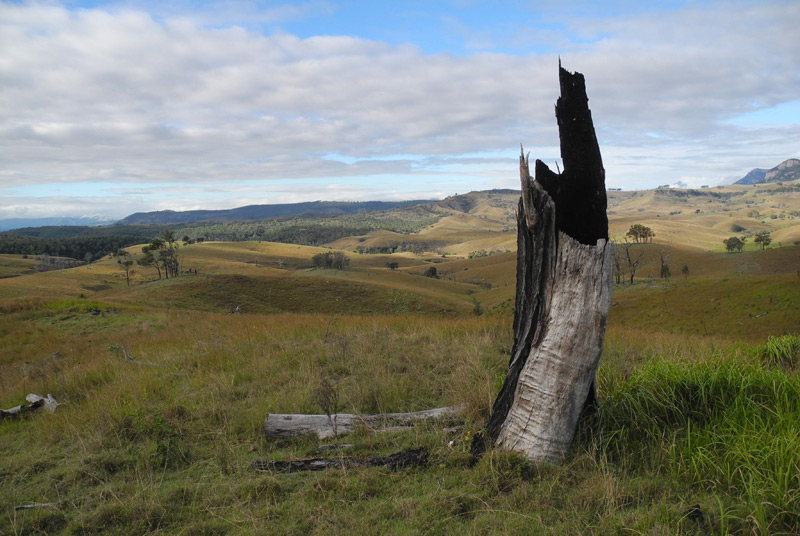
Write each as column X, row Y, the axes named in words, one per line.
column 162, row 254
column 640, row 233
column 477, row 308
column 685, row 271
column 125, row 261
column 618, row 264
column 632, row 256
column 394, row 265
column 330, row 260
column 431, row 272
column 149, row 259
column 763, row 238
column 664, row 259
column 733, row 244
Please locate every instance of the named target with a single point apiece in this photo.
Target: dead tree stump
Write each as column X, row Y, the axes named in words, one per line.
column 564, row 281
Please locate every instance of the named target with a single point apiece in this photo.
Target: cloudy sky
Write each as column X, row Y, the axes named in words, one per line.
column 109, row 108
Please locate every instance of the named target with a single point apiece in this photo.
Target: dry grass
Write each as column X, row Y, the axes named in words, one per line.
column 161, row 443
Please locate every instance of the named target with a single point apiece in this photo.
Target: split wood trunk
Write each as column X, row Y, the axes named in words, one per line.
column 564, row 270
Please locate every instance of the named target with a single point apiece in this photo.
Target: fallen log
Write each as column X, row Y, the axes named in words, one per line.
column 35, row 505
column 286, row 425
column 399, row 460
column 35, row 402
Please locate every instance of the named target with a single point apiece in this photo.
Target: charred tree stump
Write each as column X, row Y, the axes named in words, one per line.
column 564, row 281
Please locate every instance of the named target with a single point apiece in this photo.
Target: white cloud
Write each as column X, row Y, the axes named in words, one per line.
column 169, row 98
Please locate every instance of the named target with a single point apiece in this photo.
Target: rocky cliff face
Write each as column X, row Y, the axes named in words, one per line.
column 788, row 170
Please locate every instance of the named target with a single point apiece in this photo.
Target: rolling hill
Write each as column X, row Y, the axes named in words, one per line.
column 167, row 382
column 260, row 212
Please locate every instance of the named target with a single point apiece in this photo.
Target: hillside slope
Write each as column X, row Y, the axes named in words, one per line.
column 260, row 212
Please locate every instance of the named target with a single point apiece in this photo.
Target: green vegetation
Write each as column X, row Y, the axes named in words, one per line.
column 314, row 231
column 80, row 243
column 725, row 425
column 166, row 389
column 763, row 238
column 430, row 271
column 734, row 244
column 143, row 448
column 640, row 233
column 331, row 259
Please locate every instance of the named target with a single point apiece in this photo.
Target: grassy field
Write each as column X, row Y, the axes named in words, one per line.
column 166, row 392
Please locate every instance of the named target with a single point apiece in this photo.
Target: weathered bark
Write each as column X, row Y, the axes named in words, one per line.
column 564, row 270
column 395, row 462
column 282, row 426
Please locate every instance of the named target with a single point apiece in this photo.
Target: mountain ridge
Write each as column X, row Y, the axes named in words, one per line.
column 788, row 170
column 259, row 212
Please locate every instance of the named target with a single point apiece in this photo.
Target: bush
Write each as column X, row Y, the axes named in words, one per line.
column 431, row 272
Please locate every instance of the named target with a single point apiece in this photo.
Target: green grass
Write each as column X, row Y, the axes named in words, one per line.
column 166, row 448
column 735, row 308
column 167, row 394
column 15, row 265
column 781, row 351
column 724, row 425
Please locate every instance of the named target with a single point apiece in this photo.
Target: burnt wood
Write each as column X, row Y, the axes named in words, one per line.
column 559, row 214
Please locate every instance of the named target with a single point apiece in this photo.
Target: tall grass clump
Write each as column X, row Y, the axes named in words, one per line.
column 781, row 351
column 730, row 427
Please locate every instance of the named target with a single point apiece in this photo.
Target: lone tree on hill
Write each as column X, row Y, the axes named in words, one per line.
column 564, row 281
column 164, row 251
column 125, row 261
column 733, row 244
column 664, row 259
column 629, row 255
column 763, row 238
column 640, row 233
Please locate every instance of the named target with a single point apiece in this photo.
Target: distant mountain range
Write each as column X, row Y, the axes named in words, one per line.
column 786, row 171
column 19, row 223
column 260, row 212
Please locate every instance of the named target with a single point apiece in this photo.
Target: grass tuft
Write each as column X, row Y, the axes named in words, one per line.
column 728, row 426
column 781, row 351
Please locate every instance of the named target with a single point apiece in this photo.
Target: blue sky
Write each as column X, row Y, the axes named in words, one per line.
column 109, row 108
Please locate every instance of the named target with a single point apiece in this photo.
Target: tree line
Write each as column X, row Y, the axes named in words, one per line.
column 331, row 259
column 313, row 231
column 82, row 248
